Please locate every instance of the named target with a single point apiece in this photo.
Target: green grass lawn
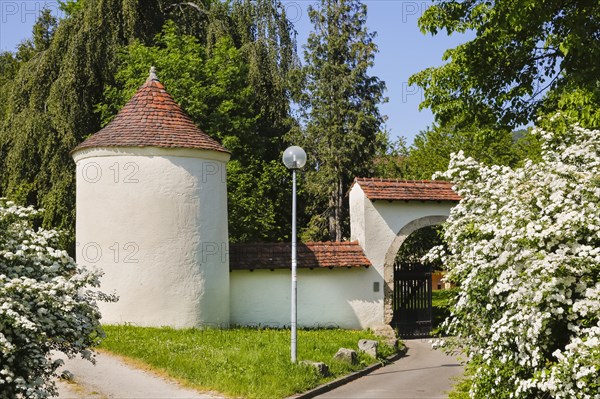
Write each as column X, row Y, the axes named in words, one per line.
column 441, row 298
column 239, row 362
column 441, row 306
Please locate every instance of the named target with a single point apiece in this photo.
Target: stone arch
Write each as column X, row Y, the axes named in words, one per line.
column 390, row 256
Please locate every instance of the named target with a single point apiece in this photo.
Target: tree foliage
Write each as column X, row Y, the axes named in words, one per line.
column 47, row 305
column 527, row 57
column 391, row 159
column 42, row 34
column 9, row 66
column 49, row 101
column 265, row 37
column 418, row 244
column 523, row 246
column 338, row 110
column 212, row 84
column 432, row 149
column 51, row 88
column 580, row 104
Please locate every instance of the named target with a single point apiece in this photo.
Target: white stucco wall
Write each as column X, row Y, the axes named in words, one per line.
column 155, row 221
column 384, row 220
column 357, row 214
column 326, row 297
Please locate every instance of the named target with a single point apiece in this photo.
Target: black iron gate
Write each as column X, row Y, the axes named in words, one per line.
column 412, row 300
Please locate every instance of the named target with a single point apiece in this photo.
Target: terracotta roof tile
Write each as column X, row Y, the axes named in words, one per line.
column 152, row 119
column 407, row 190
column 309, row 255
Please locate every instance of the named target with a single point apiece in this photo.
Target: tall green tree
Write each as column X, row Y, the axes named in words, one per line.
column 528, row 57
column 338, row 110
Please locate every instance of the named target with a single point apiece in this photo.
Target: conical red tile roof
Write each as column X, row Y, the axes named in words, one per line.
column 152, row 119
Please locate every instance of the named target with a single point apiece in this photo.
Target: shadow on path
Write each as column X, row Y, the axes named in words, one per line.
column 416, row 369
column 423, row 374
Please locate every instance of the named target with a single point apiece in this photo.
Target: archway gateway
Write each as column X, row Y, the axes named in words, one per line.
column 409, row 285
column 413, row 280
column 383, row 214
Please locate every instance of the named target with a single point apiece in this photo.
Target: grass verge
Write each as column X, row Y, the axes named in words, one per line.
column 239, row 362
column 441, row 300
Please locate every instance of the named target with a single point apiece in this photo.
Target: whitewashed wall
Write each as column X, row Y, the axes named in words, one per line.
column 380, row 228
column 155, row 220
column 341, row 297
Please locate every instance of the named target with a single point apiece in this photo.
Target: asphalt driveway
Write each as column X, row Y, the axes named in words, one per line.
column 423, row 373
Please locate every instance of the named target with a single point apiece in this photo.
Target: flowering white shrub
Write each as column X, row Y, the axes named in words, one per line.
column 45, row 304
column 523, row 245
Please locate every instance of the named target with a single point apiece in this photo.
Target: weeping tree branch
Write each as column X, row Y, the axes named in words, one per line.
column 189, row 4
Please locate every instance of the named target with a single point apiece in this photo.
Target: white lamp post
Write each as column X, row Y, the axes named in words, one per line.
column 294, row 158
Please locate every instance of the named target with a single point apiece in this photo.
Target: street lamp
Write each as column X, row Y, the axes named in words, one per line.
column 294, row 158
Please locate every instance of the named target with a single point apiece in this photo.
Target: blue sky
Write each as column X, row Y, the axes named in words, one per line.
column 403, row 49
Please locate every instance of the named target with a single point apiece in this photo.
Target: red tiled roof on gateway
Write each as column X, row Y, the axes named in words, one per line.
column 310, row 255
column 407, row 190
column 152, row 119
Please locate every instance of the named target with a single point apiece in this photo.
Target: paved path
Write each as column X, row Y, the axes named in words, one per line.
column 112, row 378
column 423, row 373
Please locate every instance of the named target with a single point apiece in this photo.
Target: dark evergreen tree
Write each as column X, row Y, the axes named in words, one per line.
column 339, row 111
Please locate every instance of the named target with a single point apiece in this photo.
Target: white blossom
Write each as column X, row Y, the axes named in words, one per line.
column 45, row 305
column 523, row 245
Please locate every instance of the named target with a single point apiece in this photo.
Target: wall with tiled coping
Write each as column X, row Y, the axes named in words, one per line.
column 144, row 216
column 349, row 298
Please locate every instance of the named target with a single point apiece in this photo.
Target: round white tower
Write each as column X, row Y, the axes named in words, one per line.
column 152, row 213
